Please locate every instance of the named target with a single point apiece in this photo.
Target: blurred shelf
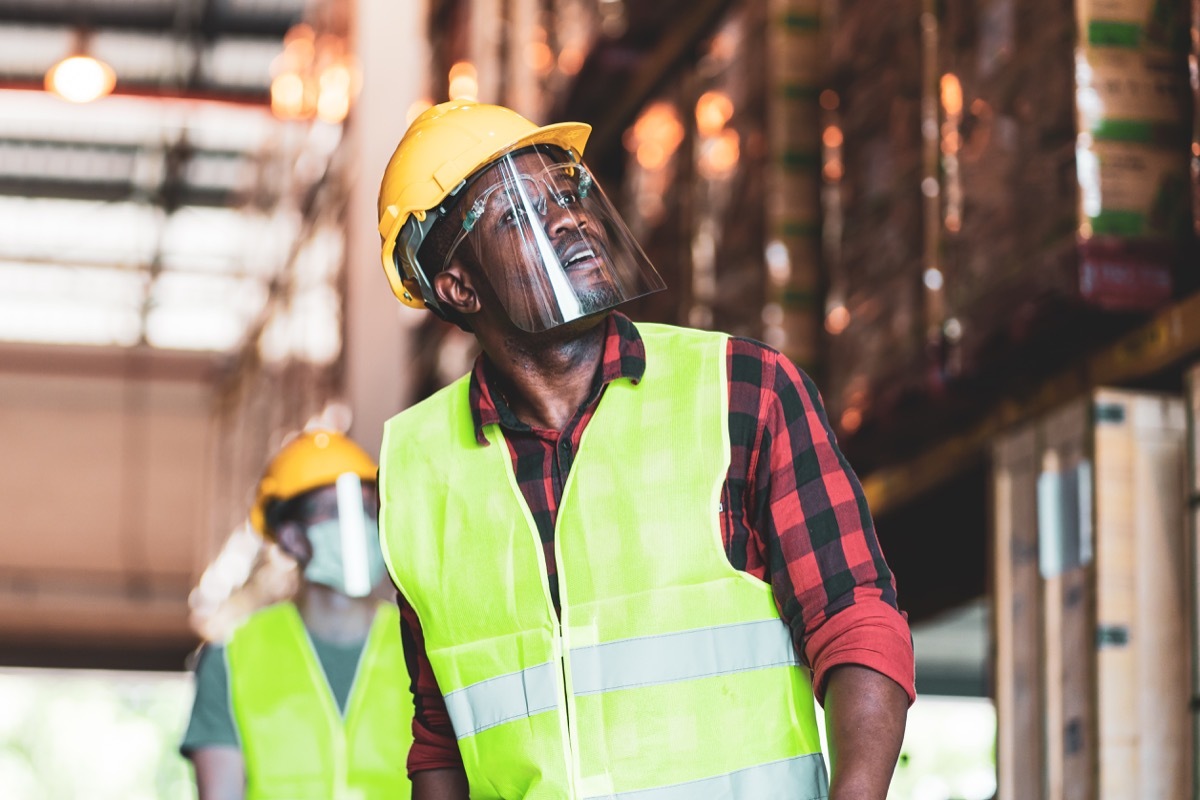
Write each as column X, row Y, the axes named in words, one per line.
column 1160, row 346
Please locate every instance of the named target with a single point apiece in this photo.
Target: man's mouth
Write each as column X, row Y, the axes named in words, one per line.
column 577, row 256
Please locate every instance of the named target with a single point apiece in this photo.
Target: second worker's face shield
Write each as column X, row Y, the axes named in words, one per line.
column 552, row 246
column 340, row 523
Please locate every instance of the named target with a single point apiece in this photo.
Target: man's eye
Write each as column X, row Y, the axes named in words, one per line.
column 567, row 199
column 513, row 215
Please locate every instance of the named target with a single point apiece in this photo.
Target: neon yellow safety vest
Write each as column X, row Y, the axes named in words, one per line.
column 671, row 675
column 295, row 742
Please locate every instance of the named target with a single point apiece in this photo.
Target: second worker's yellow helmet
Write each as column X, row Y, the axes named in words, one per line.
column 442, row 148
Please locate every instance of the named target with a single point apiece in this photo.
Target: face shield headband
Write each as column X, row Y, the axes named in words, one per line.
column 547, row 240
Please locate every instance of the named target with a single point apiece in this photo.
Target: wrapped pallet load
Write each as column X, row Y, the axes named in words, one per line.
column 1065, row 173
column 997, row 209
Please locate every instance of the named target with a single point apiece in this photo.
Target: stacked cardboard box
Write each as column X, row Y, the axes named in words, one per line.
column 1057, row 193
column 1092, row 602
column 1069, row 154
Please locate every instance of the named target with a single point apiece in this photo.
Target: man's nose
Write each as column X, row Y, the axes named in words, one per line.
column 559, row 219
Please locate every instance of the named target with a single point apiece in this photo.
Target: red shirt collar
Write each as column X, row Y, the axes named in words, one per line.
column 624, row 357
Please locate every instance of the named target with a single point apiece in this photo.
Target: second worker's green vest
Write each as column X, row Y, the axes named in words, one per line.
column 295, row 742
column 670, row 675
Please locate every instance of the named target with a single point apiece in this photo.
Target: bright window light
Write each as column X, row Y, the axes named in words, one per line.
column 23, row 48
column 140, row 56
column 316, row 327
column 63, row 305
column 320, row 257
column 74, row 231
column 202, row 312
column 56, row 163
column 220, row 172
column 240, row 63
column 119, row 732
column 208, row 239
column 133, row 120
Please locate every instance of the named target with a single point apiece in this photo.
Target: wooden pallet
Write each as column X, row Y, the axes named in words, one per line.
column 1091, row 598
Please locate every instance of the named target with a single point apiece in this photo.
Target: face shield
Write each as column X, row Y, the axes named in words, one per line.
column 550, row 244
column 342, row 529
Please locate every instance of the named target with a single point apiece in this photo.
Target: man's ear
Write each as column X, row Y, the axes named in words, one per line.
column 455, row 289
column 293, row 541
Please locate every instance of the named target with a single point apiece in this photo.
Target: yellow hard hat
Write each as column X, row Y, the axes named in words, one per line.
column 441, row 149
column 311, row 460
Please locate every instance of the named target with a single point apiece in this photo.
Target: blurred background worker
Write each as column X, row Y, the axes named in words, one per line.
column 303, row 700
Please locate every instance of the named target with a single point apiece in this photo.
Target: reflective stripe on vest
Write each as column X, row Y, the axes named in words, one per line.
column 804, row 776
column 295, row 742
column 669, row 671
column 645, row 661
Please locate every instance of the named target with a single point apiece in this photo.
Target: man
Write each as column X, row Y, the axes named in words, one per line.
column 302, row 703
column 631, row 553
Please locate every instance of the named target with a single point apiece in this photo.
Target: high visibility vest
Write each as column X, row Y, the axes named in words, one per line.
column 669, row 674
column 295, row 742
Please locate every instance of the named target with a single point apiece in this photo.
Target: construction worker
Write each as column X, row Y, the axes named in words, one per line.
column 302, row 702
column 632, row 554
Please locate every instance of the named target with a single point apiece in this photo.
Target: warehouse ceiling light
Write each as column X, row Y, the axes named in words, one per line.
column 713, row 111
column 314, row 76
column 80, row 77
column 464, row 81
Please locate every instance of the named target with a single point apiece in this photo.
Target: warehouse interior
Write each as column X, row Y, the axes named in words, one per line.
column 976, row 225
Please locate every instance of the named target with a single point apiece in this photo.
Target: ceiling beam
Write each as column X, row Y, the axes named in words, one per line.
column 112, row 191
column 197, row 94
column 142, row 20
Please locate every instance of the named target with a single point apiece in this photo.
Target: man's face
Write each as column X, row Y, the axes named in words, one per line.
column 538, row 238
column 317, row 506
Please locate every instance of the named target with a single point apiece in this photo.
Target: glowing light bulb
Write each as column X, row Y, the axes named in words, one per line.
column 287, row 96
column 464, row 81
column 81, row 79
column 713, row 110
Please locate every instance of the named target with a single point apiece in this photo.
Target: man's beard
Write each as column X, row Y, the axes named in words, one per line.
column 598, row 298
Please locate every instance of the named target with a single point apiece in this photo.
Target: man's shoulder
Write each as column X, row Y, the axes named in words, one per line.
column 435, row 403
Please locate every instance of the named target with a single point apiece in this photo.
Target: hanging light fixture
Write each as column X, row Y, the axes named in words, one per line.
column 81, row 77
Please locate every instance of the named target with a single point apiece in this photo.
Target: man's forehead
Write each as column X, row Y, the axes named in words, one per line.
column 530, row 162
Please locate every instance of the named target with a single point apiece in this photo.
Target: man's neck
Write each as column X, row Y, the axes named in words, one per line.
column 545, row 379
column 332, row 616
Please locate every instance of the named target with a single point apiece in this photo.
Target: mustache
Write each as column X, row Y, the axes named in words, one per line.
column 569, row 239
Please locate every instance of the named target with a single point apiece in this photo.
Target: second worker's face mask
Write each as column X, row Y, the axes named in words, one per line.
column 550, row 244
column 346, row 555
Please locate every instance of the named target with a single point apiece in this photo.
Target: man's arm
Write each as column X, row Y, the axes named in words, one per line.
column 434, row 762
column 440, row 784
column 812, row 537
column 864, row 719
column 211, row 739
column 220, row 773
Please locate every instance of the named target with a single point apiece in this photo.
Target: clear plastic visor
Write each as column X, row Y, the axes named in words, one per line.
column 552, row 246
